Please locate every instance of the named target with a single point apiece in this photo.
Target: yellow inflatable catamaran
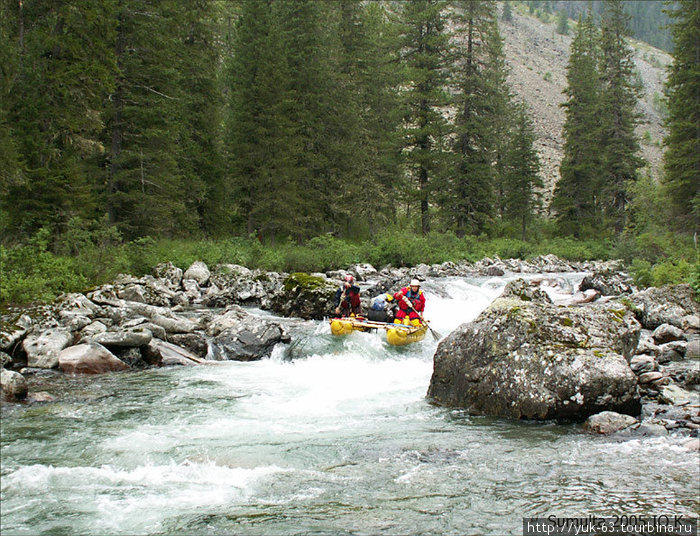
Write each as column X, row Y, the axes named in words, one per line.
column 396, row 334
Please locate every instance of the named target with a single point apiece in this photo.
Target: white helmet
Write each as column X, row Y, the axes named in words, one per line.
column 414, row 283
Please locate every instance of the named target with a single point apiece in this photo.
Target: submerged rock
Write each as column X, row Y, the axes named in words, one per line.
column 608, row 422
column 536, row 360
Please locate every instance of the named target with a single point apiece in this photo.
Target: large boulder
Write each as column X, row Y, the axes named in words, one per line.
column 90, row 358
column 666, row 305
column 13, row 386
column 13, row 330
column 306, row 296
column 199, row 272
column 248, row 339
column 42, row 348
column 536, row 360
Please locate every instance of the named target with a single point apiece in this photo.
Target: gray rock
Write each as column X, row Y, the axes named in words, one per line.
column 199, row 272
column 14, row 331
column 305, row 296
column 666, row 305
column 667, row 333
column 5, row 359
column 93, row 329
column 78, row 303
column 135, row 293
column 676, row 396
column 608, row 422
column 693, row 445
column 641, row 363
column 522, row 290
column 171, row 274
column 648, row 377
column 169, row 354
column 671, row 351
column 91, row 358
column 607, row 283
column 691, row 324
column 74, row 321
column 42, row 348
column 692, row 349
column 174, row 324
column 196, row 343
column 250, row 339
column 13, row 386
column 524, row 359
column 123, row 339
column 651, row 430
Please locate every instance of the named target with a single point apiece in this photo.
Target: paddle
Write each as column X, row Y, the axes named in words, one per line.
column 435, row 334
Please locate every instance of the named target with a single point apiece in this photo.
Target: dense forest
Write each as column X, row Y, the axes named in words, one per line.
column 269, row 123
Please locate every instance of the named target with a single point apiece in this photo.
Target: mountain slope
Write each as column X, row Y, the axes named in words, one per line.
column 538, row 56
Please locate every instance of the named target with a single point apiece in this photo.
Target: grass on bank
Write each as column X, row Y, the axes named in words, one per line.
column 41, row 269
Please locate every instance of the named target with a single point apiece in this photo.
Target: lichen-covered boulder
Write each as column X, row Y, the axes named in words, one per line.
column 306, row 296
column 536, row 360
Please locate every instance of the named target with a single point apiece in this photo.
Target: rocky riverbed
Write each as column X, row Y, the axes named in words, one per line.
column 612, row 354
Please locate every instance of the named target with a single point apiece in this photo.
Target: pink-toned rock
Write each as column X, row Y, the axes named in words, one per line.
column 90, row 358
column 649, row 377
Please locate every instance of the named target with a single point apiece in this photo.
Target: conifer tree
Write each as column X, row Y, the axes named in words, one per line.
column 562, row 23
column 11, row 175
column 426, row 57
column 522, row 180
column 145, row 191
column 55, row 110
column 426, row 50
column 682, row 157
column 507, row 11
column 619, row 145
column 200, row 152
column 260, row 135
column 575, row 202
column 482, row 101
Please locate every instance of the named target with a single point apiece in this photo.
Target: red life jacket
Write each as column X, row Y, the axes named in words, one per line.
column 418, row 300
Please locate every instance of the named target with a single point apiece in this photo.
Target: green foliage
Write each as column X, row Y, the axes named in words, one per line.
column 31, row 272
column 646, row 274
column 681, row 165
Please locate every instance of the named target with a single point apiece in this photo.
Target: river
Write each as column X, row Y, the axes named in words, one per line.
column 328, row 436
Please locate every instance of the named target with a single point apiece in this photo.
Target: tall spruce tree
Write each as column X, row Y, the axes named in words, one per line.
column 261, row 138
column 145, row 189
column 55, row 110
column 619, row 144
column 426, row 56
column 200, row 152
column 682, row 156
column 576, row 197
column 523, row 183
column 11, row 174
column 481, row 101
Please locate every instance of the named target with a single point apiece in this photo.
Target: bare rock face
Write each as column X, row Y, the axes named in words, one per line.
column 536, row 360
column 91, row 358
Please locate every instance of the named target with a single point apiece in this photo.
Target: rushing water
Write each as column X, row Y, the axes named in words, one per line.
column 329, row 436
